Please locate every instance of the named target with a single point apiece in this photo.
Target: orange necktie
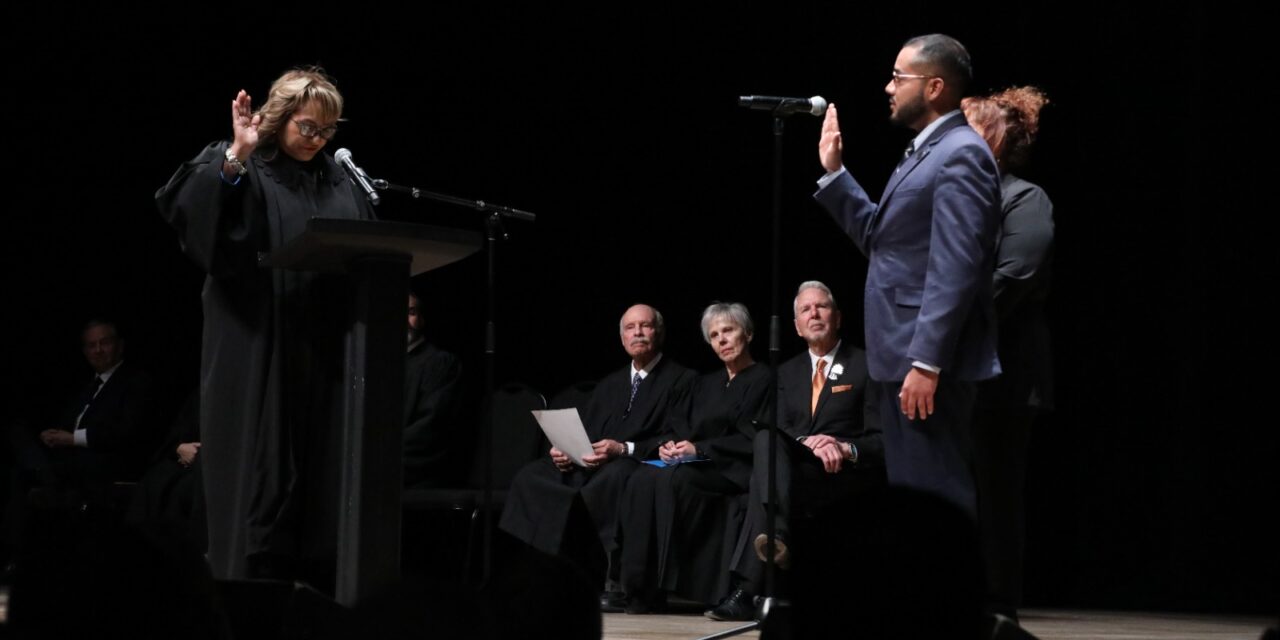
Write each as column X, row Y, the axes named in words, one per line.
column 819, row 379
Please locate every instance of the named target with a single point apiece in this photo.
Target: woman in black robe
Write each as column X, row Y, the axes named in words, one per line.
column 679, row 521
column 272, row 363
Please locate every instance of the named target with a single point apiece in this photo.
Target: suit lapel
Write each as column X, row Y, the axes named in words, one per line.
column 839, row 365
column 802, row 394
column 918, row 157
column 104, row 396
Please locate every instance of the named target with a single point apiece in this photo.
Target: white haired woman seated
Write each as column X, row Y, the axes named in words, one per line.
column 680, row 517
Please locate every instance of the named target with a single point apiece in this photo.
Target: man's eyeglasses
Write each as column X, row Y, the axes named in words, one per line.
column 310, row 129
column 899, row 78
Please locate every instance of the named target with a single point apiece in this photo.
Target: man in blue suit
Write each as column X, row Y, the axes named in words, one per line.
column 930, row 324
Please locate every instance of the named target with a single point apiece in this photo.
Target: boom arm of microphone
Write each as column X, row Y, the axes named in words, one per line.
column 371, row 187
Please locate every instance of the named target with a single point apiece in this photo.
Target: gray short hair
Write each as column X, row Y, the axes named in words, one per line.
column 812, row 284
column 736, row 312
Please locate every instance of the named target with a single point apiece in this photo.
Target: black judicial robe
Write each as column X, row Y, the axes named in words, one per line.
column 430, row 420
column 542, row 497
column 168, row 490
column 679, row 524
column 272, row 357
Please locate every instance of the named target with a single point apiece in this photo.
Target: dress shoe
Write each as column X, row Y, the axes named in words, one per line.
column 613, row 602
column 739, row 605
column 640, row 605
column 781, row 555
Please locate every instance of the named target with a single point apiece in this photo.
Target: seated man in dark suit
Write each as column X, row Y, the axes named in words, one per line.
column 430, row 400
column 625, row 419
column 828, row 448
column 110, row 431
column 69, row 457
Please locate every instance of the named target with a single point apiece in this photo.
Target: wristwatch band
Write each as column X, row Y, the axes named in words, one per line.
column 236, row 163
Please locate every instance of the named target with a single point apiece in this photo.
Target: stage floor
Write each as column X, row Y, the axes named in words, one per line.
column 1045, row 624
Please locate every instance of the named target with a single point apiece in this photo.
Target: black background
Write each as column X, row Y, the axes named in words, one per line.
column 616, row 124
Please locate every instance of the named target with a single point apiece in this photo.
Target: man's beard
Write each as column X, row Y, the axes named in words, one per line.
column 907, row 113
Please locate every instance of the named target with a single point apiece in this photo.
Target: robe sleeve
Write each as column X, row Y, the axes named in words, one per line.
column 220, row 225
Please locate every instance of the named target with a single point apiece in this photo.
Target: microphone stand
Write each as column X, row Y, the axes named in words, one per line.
column 770, row 605
column 494, row 215
column 479, row 205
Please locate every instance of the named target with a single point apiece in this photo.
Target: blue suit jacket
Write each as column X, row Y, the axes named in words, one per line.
column 930, row 242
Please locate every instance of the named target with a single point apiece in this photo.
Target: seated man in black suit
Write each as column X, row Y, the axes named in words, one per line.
column 71, row 456
column 111, row 430
column 828, row 448
column 625, row 419
column 430, row 401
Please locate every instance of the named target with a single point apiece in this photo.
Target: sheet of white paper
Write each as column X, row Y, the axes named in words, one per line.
column 565, row 431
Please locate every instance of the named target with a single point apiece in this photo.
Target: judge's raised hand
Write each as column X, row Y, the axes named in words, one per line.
column 244, row 126
column 562, row 461
column 831, row 146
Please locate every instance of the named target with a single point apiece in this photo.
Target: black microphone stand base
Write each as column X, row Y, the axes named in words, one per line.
column 773, row 619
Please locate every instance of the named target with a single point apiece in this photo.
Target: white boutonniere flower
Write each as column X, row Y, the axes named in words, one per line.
column 836, row 371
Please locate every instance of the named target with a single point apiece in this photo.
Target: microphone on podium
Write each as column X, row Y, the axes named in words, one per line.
column 343, row 157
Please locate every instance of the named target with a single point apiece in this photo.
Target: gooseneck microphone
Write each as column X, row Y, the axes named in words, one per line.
column 343, row 156
column 816, row 105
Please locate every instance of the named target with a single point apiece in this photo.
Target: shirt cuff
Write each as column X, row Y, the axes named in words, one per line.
column 631, row 448
column 81, row 437
column 927, row 367
column 224, row 177
column 830, row 177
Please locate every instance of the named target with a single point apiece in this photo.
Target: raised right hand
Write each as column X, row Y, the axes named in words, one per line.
column 244, row 126
column 831, row 145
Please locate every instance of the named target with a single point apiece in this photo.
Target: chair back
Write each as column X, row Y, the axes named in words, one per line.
column 516, row 434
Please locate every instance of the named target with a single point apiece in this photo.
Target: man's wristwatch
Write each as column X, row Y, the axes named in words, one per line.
column 853, row 453
column 236, row 163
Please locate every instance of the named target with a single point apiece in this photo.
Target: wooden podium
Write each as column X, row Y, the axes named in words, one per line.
column 380, row 257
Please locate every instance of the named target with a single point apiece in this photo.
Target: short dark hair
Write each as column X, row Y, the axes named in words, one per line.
column 946, row 56
column 101, row 322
